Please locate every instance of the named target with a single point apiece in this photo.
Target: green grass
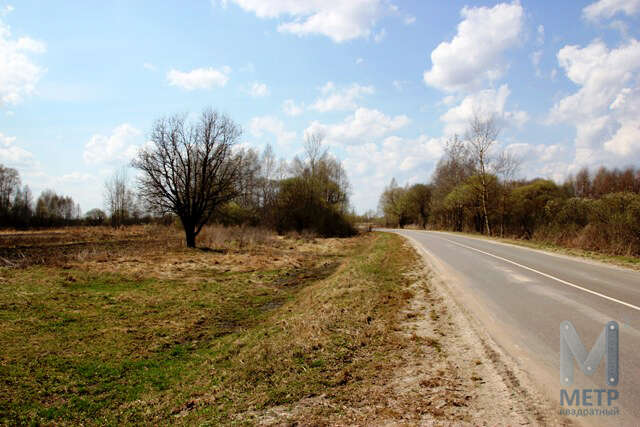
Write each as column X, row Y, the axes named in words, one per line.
column 103, row 348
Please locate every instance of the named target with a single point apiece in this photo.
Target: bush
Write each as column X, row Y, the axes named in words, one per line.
column 299, row 207
column 615, row 219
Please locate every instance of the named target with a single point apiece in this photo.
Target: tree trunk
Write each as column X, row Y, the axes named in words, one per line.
column 190, row 235
column 484, row 202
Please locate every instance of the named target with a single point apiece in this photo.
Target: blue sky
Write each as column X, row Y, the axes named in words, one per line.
column 386, row 82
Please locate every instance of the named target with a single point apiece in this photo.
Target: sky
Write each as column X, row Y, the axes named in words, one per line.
column 387, row 82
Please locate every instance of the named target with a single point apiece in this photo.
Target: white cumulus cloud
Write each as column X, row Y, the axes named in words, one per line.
column 605, row 110
column 360, row 127
column 337, row 19
column 120, row 146
column 199, row 78
column 16, row 157
column 19, row 75
column 258, row 90
column 290, row 108
column 475, row 54
column 259, row 126
column 605, row 9
column 371, row 165
column 334, row 99
column 488, row 102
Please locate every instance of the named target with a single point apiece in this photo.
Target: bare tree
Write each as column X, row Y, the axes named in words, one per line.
column 583, row 183
column 314, row 150
column 190, row 170
column 481, row 136
column 119, row 198
column 506, row 166
column 9, row 185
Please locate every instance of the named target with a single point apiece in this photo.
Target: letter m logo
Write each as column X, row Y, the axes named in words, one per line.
column 606, row 345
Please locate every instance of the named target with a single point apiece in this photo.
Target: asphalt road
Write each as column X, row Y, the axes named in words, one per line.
column 522, row 295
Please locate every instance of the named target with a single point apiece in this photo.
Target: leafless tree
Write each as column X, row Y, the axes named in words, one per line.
column 119, row 198
column 9, row 185
column 583, row 183
column 314, row 150
column 506, row 166
column 190, row 169
column 481, row 136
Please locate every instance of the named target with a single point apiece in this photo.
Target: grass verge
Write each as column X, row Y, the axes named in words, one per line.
column 100, row 347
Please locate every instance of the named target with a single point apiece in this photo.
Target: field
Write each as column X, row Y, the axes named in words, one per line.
column 103, row 326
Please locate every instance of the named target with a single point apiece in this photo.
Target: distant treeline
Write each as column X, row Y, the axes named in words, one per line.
column 594, row 210
column 210, row 183
column 18, row 210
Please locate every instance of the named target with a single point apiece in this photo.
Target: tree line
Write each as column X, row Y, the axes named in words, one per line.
column 475, row 188
column 18, row 210
column 196, row 173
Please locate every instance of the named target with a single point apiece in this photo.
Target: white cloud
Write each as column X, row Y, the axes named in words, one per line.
column 475, row 54
column 540, row 35
column 606, row 107
column 28, row 44
column 539, row 160
column 269, row 124
column 359, row 61
column 75, row 178
column 536, row 57
column 536, row 153
column 6, row 140
column 371, row 165
column 6, row 10
column 449, row 100
column 535, row 60
column 335, row 99
column 16, row 157
column 199, row 78
column 380, row 35
column 120, row 146
column 408, row 20
column 290, row 108
column 19, row 75
column 399, row 85
column 149, row 66
column 626, row 140
column 258, row 90
column 360, row 127
column 605, row 9
column 485, row 102
column 337, row 19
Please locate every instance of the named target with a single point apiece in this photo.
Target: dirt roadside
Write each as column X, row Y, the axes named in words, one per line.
column 449, row 373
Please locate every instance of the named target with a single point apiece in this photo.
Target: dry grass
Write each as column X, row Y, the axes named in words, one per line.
column 129, row 326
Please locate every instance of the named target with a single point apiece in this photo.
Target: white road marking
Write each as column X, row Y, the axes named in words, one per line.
column 564, row 282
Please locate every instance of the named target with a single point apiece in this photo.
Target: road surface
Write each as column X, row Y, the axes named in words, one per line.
column 522, row 295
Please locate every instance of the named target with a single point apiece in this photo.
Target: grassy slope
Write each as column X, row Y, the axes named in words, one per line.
column 107, row 348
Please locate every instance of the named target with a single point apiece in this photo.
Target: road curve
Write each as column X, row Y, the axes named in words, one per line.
column 522, row 295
